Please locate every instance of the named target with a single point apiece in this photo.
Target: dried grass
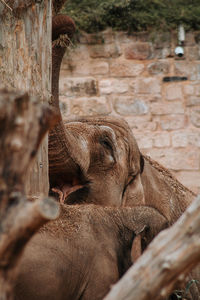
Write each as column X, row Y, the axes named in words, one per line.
column 63, row 41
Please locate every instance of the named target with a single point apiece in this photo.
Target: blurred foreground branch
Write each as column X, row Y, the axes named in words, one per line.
column 23, row 123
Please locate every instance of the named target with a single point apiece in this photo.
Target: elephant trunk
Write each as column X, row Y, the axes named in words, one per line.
column 57, row 56
column 63, row 28
column 67, row 160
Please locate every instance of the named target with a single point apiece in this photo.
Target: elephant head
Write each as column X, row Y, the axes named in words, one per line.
column 106, row 161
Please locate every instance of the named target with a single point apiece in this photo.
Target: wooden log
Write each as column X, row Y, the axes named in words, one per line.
column 165, row 263
column 26, row 218
column 24, row 121
column 23, row 125
column 17, row 227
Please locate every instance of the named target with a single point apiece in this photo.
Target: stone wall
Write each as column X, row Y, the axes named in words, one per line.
column 139, row 78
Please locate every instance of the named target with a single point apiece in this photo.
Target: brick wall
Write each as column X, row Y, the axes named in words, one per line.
column 139, row 78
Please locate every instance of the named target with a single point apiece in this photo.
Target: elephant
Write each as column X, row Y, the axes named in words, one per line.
column 104, row 165
column 85, row 251
column 96, row 159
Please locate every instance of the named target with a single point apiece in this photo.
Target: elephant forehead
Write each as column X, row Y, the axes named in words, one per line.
column 91, row 129
column 76, row 125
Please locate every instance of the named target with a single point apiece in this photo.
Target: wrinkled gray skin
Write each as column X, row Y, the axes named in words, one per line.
column 80, row 255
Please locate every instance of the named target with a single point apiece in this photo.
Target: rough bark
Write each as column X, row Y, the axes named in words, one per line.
column 23, row 124
column 25, row 59
column 165, row 263
column 18, row 4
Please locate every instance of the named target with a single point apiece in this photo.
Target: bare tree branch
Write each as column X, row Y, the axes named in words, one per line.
column 27, row 217
column 6, row 4
column 23, row 123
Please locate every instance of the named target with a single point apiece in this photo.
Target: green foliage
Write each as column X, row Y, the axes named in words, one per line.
column 134, row 15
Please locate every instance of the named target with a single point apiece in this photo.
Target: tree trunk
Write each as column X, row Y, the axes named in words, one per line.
column 23, row 124
column 165, row 263
column 25, row 59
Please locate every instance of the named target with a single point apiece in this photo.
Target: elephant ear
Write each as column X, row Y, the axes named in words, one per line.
column 134, row 191
column 136, row 249
column 147, row 222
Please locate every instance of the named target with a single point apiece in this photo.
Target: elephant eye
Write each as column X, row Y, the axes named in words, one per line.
column 106, row 144
column 107, row 151
column 132, row 178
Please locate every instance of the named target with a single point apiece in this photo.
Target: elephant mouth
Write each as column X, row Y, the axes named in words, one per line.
column 70, row 188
